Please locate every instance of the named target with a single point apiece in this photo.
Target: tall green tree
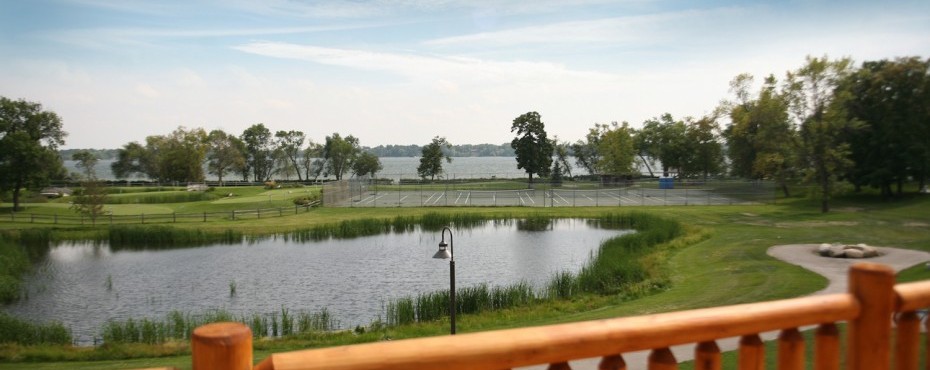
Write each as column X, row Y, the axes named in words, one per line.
column 366, row 164
column 180, row 155
column 311, row 160
column 90, row 202
column 531, row 145
column 891, row 99
column 134, row 159
column 86, row 161
column 703, row 143
column 762, row 141
column 816, row 102
column 617, row 151
column 259, row 151
column 225, row 154
column 29, row 139
column 289, row 144
column 562, row 151
column 586, row 152
column 664, row 139
column 431, row 157
column 340, row 153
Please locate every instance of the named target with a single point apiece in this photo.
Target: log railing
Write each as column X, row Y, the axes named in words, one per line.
column 870, row 309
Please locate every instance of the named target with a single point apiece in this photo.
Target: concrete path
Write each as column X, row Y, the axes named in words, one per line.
column 804, row 255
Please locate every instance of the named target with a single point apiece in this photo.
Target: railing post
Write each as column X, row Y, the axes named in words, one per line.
column 222, row 345
column 869, row 337
column 827, row 347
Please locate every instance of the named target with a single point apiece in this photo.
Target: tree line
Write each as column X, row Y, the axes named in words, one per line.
column 825, row 123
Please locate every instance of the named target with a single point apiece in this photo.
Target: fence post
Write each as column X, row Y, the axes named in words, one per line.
column 174, row 217
column 204, row 216
column 232, row 215
column 142, row 216
column 258, row 212
column 869, row 336
column 222, row 345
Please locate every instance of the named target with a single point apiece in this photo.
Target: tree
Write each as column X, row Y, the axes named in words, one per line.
column 288, row 144
column 340, row 154
column 561, row 150
column 891, row 99
column 224, row 154
column 431, row 158
column 706, row 152
column 311, row 163
column 259, row 151
column 180, row 155
column 586, row 152
column 91, row 200
column 29, row 138
column 532, row 147
column 761, row 140
column 86, row 161
column 820, row 108
column 616, row 150
column 664, row 139
column 366, row 164
column 133, row 158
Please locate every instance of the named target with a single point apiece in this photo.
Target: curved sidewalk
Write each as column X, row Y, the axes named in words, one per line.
column 804, row 255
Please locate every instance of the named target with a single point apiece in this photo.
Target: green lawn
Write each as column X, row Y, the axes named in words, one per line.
column 720, row 261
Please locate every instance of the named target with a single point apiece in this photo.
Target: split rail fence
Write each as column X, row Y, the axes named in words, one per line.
column 881, row 319
column 142, row 218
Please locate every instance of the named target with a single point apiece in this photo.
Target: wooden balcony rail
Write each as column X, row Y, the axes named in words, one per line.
column 868, row 309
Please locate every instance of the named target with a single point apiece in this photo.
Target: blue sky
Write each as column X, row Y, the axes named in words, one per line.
column 402, row 72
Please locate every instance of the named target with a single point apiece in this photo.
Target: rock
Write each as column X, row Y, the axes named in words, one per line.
column 837, row 251
column 867, row 251
column 824, row 249
column 854, row 253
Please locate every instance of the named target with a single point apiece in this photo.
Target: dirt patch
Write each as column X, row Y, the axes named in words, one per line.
column 815, row 224
column 916, row 224
column 749, row 214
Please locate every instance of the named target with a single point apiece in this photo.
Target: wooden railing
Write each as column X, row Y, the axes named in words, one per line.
column 870, row 308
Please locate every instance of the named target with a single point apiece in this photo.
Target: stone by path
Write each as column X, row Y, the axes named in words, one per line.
column 804, row 255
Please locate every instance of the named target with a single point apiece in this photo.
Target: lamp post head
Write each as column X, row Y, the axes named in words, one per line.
column 443, row 252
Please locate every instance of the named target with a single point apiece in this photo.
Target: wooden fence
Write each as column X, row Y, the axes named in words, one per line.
column 152, row 218
column 871, row 308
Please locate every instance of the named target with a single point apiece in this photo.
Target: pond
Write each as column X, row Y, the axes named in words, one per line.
column 83, row 285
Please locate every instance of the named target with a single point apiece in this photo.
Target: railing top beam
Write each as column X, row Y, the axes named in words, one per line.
column 555, row 343
column 912, row 296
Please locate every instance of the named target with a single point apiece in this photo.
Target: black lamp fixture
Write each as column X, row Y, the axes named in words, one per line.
column 446, row 253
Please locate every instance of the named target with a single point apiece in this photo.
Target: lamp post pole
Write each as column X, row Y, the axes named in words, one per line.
column 443, row 254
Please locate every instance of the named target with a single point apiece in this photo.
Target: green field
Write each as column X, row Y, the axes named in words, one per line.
column 721, row 260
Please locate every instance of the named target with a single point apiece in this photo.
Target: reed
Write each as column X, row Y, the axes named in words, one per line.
column 13, row 263
column 162, row 197
column 232, row 288
column 163, row 237
column 14, row 330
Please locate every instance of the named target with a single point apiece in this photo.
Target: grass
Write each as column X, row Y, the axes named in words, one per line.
column 719, row 260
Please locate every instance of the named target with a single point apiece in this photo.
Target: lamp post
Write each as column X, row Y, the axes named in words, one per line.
column 443, row 254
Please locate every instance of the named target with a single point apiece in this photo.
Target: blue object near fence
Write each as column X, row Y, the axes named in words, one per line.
column 666, row 183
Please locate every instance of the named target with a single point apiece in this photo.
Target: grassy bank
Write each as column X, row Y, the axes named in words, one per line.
column 719, row 260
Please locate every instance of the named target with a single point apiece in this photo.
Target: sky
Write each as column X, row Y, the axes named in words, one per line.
column 405, row 71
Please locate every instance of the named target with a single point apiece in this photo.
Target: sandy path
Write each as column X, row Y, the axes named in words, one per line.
column 804, row 255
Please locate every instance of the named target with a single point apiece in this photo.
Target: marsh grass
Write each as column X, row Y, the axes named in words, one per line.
column 178, row 326
column 162, row 197
column 14, row 330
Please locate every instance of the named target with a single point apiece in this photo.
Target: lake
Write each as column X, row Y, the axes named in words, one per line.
column 352, row 278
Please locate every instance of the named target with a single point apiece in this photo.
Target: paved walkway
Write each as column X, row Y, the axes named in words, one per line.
column 804, row 255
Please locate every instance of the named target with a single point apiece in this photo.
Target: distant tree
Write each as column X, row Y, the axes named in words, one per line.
column 181, row 154
column 616, row 149
column 289, row 144
column 762, row 142
column 310, row 162
column 90, row 202
column 532, row 147
column 431, row 158
column 562, row 150
column 86, row 161
column 134, row 159
column 366, row 164
column 259, row 151
column 664, row 139
column 586, row 151
column 224, row 155
column 820, row 108
column 706, row 151
column 339, row 154
column 29, row 139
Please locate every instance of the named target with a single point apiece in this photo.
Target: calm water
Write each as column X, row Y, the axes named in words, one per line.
column 352, row 278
